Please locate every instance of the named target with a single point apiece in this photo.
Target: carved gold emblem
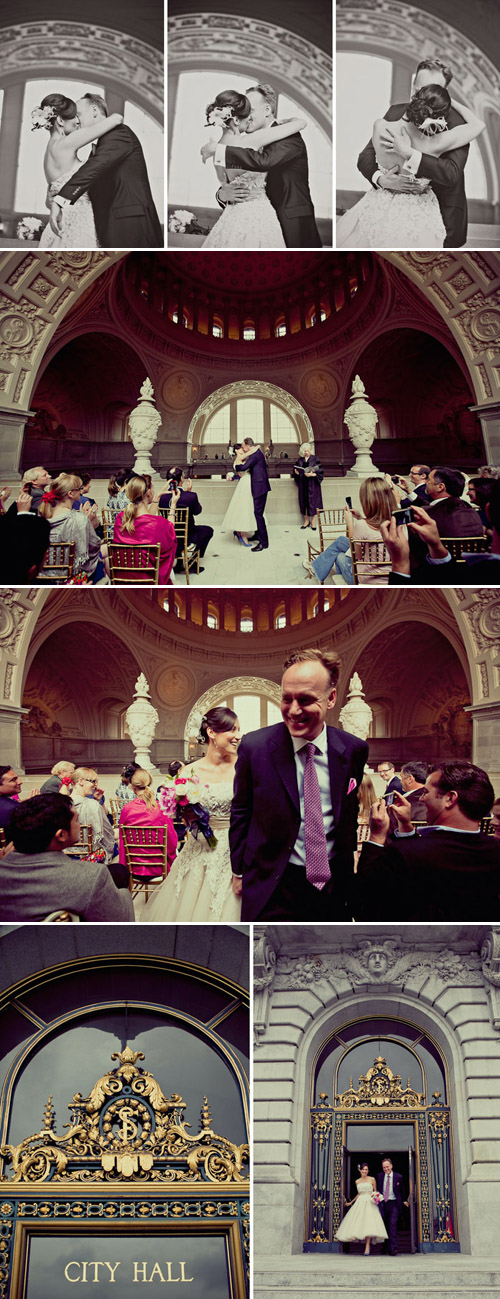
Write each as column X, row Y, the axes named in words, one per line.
column 379, row 1087
column 126, row 1128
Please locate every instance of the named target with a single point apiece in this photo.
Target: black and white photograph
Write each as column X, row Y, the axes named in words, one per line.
column 250, row 125
column 81, row 125
column 418, row 124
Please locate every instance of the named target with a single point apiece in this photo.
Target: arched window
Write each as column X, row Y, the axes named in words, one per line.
column 256, row 417
column 407, row 1049
column 218, row 327
column 246, row 620
column 280, row 327
column 249, row 329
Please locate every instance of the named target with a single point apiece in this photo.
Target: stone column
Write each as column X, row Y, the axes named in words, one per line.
column 12, row 425
column 361, row 420
column 10, row 735
column 485, row 732
column 489, row 414
column 10, row 137
column 144, row 424
column 142, row 719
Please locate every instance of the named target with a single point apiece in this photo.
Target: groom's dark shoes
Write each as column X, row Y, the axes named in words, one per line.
column 259, row 546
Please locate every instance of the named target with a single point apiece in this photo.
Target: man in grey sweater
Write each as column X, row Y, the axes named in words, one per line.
column 37, row 878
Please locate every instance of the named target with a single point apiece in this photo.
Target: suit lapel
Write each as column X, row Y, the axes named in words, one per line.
column 337, row 764
column 283, row 758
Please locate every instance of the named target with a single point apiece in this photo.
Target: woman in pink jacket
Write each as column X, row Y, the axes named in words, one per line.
column 143, row 809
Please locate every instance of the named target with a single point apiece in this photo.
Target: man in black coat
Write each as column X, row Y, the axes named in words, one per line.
column 115, row 176
column 255, row 465
column 273, row 846
column 198, row 533
column 438, row 568
column 393, row 785
column 287, row 184
column 449, row 871
column 390, row 1186
column 446, row 174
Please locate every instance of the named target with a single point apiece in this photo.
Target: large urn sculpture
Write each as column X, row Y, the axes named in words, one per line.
column 144, row 423
column 142, row 719
column 356, row 715
column 361, row 420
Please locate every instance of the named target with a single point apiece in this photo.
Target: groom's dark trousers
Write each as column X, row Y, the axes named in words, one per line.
column 259, row 505
column 256, row 466
column 116, row 179
column 446, row 175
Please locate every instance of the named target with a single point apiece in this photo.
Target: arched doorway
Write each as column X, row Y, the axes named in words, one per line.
column 267, row 403
column 369, row 1111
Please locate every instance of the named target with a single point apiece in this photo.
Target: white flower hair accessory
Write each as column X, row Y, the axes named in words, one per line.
column 433, row 125
column 220, row 116
column 43, row 117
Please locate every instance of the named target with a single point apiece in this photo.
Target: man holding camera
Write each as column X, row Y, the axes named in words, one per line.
column 199, row 534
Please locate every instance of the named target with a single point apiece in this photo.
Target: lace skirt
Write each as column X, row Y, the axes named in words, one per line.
column 382, row 219
column 251, row 224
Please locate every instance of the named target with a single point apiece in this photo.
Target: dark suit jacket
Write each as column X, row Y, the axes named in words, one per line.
column 116, row 179
column 480, row 572
column 397, row 1186
column 287, row 186
column 392, row 785
column 265, row 813
column 439, row 876
column 187, row 501
column 423, row 498
column 257, row 468
column 453, row 518
column 446, row 175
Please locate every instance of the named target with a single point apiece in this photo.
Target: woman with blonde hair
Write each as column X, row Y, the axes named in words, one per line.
column 140, row 524
column 143, row 809
column 68, row 524
column 366, row 798
column 378, row 500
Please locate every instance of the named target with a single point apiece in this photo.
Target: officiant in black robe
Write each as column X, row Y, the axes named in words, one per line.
column 308, row 474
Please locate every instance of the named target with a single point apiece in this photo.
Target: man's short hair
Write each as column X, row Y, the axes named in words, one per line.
column 472, row 785
column 453, row 479
column 424, row 470
column 98, row 102
column 3, row 772
column 249, row 441
column 328, row 660
column 386, row 763
column 84, row 773
column 416, row 769
column 59, row 767
column 386, row 1159
column 34, row 823
column 436, row 65
column 30, row 474
column 268, row 93
column 493, row 507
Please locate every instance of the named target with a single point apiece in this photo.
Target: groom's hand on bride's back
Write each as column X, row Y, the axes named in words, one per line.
column 55, row 218
column 234, row 191
column 399, row 182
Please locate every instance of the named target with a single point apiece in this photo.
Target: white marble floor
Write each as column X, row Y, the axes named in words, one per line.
column 227, row 563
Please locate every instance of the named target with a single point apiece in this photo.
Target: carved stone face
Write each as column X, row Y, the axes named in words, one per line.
column 377, row 962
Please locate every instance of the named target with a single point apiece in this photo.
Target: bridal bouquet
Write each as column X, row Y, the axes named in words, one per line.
column 28, row 227
column 197, row 818
column 185, row 223
column 377, row 1197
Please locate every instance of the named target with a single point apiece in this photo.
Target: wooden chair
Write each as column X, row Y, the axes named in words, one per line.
column 331, row 524
column 115, row 807
column 145, row 855
column 187, row 551
column 136, row 564
column 487, row 825
column 61, row 917
column 3, row 841
column 471, row 546
column 60, row 559
column 373, row 552
column 84, row 847
column 108, row 523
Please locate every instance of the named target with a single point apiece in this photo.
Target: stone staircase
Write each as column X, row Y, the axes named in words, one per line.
column 483, row 236
column 420, row 1276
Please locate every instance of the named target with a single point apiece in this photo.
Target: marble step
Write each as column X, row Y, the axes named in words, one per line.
column 388, row 1279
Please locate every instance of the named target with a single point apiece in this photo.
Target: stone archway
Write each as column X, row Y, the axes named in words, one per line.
column 249, row 388
column 410, row 34
column 234, row 685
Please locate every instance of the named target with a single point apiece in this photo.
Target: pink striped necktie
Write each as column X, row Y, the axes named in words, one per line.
column 317, row 867
column 386, row 1187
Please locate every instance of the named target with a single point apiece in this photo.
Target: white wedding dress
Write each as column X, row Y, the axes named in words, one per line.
column 251, row 224
column 78, row 226
column 240, row 515
column 363, row 1218
column 383, row 219
column 199, row 884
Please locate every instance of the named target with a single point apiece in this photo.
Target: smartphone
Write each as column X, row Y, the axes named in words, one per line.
column 28, row 487
column 395, row 478
column 402, row 516
column 389, row 799
column 348, row 501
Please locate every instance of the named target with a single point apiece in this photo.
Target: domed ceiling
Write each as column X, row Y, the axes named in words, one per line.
column 257, row 272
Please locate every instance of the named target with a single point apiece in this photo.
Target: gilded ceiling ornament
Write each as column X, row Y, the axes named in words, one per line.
column 126, row 1128
column 380, row 1087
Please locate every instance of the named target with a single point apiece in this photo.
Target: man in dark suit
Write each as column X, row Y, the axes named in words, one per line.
column 295, row 806
column 387, row 771
column 413, row 778
column 437, row 567
column 116, row 178
column 198, row 533
column 446, row 174
column 415, row 486
column 287, row 184
column 390, row 1187
column 448, row 871
column 255, row 465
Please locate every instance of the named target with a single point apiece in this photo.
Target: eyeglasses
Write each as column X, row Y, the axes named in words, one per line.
column 88, row 781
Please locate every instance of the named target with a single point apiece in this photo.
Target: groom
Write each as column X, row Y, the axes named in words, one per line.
column 116, row 178
column 446, row 174
column 256, row 465
column 287, row 184
column 294, row 812
column 390, row 1187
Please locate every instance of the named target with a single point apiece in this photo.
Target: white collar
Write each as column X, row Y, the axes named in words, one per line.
column 321, row 742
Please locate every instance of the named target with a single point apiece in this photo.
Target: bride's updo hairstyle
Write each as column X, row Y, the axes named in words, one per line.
column 218, row 720
column 51, row 107
column 136, row 489
column 431, row 101
column 228, row 106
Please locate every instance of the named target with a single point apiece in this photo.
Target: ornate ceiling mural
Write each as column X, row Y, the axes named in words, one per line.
column 247, row 272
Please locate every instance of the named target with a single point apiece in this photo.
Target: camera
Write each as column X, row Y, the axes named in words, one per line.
column 395, row 479
column 402, row 516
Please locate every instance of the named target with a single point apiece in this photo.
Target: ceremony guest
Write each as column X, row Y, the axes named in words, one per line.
column 35, row 481
column 294, row 814
column 143, row 809
column 38, row 879
column 140, row 524
column 90, row 811
column 415, row 486
column 60, row 780
column 453, row 516
column 199, row 534
column 413, row 778
column 480, row 491
column 449, row 872
column 439, row 567
column 124, row 792
column 24, row 538
column 378, row 500
column 495, row 816
column 10, row 788
column 67, row 524
column 308, row 474
column 387, row 771
column 117, row 496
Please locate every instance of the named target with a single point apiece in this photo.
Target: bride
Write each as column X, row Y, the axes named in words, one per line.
column 387, row 219
column 251, row 223
column 199, row 886
column 58, row 115
column 240, row 514
column 364, row 1220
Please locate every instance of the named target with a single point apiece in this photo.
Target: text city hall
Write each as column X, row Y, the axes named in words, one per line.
column 90, row 1271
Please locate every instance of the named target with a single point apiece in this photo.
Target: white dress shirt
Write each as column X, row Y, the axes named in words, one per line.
column 298, row 855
